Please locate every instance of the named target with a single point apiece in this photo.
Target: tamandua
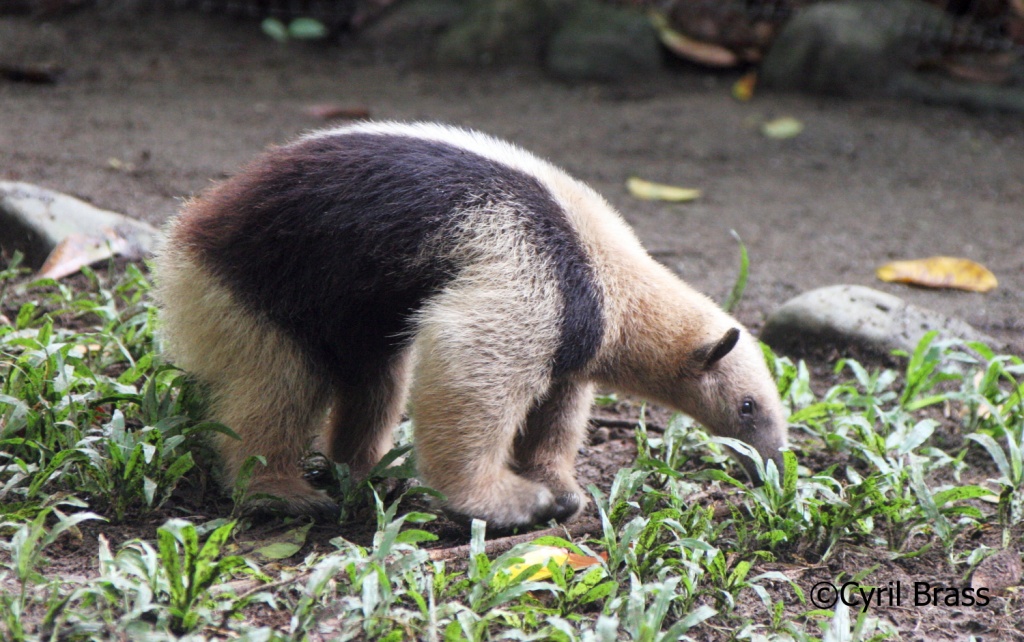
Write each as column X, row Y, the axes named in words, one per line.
column 362, row 267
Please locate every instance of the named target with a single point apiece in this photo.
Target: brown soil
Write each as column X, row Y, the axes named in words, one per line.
column 150, row 111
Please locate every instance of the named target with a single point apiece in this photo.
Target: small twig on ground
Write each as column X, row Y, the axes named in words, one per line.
column 265, row 586
column 269, row 586
column 500, row 545
column 623, row 423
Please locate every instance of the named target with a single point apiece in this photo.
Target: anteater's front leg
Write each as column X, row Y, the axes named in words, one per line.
column 545, row 450
column 468, row 406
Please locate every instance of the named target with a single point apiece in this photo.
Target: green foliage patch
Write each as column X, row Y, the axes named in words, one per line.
column 94, row 426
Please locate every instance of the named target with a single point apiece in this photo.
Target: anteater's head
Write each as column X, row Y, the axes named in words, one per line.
column 726, row 386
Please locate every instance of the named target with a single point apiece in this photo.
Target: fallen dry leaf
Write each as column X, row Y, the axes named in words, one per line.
column 543, row 554
column 577, row 561
column 940, row 272
column 76, row 250
column 82, row 350
column 649, row 191
column 780, row 128
column 119, row 165
column 743, row 89
column 695, row 50
column 279, row 546
column 988, row 68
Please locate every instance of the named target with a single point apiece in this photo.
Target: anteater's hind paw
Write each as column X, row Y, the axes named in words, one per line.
column 289, row 497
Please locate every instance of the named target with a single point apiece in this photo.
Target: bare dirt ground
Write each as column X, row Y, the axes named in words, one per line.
column 154, row 107
column 151, row 109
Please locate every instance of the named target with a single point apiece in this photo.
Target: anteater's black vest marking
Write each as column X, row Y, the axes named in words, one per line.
column 328, row 237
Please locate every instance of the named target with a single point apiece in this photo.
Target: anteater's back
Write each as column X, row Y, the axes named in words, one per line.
column 339, row 239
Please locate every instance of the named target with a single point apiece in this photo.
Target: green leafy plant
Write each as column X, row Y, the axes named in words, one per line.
column 25, row 550
column 192, row 569
column 136, row 468
column 1010, row 463
column 92, row 411
column 741, row 278
column 923, row 374
column 92, row 420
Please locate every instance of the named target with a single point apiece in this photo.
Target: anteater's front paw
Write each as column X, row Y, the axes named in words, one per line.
column 515, row 504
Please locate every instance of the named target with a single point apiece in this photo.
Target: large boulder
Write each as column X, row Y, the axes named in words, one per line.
column 499, row 32
column 574, row 40
column 33, row 220
column 848, row 47
column 846, row 317
column 862, row 47
column 603, row 43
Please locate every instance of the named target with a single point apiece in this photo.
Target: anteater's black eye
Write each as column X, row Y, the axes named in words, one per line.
column 748, row 407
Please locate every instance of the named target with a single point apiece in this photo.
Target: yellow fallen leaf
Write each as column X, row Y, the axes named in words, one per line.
column 743, row 89
column 940, row 272
column 540, row 555
column 121, row 166
column 785, row 127
column 543, row 554
column 695, row 50
column 649, row 191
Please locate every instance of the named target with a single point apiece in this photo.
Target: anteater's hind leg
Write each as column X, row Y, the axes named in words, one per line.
column 545, row 450
column 260, row 385
column 364, row 414
column 275, row 404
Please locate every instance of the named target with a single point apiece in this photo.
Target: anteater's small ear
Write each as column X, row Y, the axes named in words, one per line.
column 713, row 353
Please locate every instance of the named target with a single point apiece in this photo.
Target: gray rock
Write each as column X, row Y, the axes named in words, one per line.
column 34, row 220
column 858, row 317
column 858, row 47
column 848, row 47
column 409, row 30
column 499, row 32
column 604, row 43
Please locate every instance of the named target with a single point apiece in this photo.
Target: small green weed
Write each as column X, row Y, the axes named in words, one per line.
column 25, row 551
column 91, row 412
